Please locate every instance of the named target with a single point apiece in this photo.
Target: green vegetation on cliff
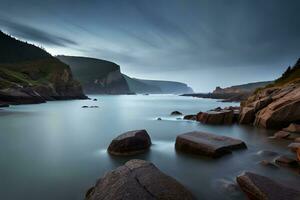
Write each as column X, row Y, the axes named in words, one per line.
column 28, row 74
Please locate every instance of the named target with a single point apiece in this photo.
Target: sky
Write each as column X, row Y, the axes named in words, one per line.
column 204, row 43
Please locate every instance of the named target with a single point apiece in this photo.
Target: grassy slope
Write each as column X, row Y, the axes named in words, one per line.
column 293, row 76
column 87, row 69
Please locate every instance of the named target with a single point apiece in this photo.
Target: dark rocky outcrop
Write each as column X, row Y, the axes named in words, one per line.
column 190, row 117
column 207, row 144
column 130, row 143
column 137, row 180
column 29, row 74
column 176, row 113
column 258, row 187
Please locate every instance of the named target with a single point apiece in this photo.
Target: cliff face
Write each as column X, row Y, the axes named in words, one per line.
column 277, row 105
column 97, row 76
column 29, row 74
column 167, row 87
column 138, row 86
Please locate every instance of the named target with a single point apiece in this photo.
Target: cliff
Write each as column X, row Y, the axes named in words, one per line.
column 140, row 87
column 29, row 74
column 276, row 105
column 236, row 93
column 167, row 87
column 97, row 76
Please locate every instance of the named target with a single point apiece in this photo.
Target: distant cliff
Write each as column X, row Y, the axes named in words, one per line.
column 235, row 93
column 97, row 76
column 157, row 86
column 29, row 74
column 244, row 88
column 140, row 87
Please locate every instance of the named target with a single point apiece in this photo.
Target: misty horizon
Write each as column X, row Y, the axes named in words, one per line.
column 200, row 43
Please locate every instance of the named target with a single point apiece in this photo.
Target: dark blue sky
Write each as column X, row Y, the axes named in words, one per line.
column 205, row 43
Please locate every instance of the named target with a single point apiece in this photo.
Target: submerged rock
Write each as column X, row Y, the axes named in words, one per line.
column 207, row 144
column 287, row 161
column 281, row 134
column 293, row 128
column 130, row 143
column 294, row 146
column 190, row 117
column 4, row 105
column 258, row 187
column 268, row 164
column 84, row 107
column 176, row 113
column 267, row 153
column 138, row 180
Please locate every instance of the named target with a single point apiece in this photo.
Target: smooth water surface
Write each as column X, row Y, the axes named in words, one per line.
column 57, row 150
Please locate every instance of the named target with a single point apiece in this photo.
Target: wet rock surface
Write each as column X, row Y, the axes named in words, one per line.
column 137, row 180
column 258, row 187
column 130, row 143
column 216, row 117
column 207, row 144
column 287, row 161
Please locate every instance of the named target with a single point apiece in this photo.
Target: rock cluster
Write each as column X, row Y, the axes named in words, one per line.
column 274, row 107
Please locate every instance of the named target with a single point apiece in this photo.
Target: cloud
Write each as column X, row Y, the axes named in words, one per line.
column 30, row 33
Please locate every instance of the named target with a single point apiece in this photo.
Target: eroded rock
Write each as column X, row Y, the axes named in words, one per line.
column 207, row 144
column 130, row 143
column 137, row 180
column 258, row 187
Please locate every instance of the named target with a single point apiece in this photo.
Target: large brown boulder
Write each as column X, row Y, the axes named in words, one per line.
column 138, row 180
column 130, row 143
column 258, row 187
column 207, row 144
column 216, row 117
column 277, row 109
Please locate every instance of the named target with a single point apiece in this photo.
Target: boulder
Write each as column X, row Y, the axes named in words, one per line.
column 247, row 115
column 286, row 161
column 159, row 119
column 84, row 107
column 293, row 128
column 268, row 164
column 176, row 113
column 216, row 117
column 190, row 117
column 258, row 187
column 281, row 134
column 207, row 144
column 95, row 99
column 294, row 146
column 137, row 180
column 297, row 139
column 130, row 143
